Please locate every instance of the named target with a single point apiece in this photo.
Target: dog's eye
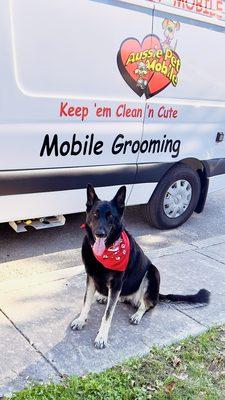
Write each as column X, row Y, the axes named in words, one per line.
column 95, row 214
column 108, row 214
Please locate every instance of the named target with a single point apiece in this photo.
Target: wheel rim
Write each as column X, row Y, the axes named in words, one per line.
column 177, row 198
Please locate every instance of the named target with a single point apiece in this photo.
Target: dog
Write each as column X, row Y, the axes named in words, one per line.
column 117, row 268
column 169, row 28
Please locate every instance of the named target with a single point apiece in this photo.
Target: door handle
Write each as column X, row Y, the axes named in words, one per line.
column 219, row 137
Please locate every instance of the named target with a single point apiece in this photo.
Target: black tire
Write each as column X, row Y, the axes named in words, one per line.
column 154, row 210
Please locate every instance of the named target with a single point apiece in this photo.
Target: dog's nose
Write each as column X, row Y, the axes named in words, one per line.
column 100, row 234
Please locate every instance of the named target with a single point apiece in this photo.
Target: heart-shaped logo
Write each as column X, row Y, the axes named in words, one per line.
column 146, row 67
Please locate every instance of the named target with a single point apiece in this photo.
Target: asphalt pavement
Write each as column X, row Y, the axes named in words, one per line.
column 42, row 284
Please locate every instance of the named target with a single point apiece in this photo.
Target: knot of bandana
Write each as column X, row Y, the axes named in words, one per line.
column 115, row 257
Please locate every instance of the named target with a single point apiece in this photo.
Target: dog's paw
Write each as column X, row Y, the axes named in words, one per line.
column 101, row 299
column 135, row 319
column 77, row 324
column 100, row 342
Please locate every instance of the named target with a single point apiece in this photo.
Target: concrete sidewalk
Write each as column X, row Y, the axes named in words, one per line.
column 36, row 343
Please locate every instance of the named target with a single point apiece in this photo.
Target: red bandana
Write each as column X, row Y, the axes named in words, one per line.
column 116, row 257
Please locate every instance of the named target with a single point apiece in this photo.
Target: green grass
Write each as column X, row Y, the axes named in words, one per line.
column 193, row 369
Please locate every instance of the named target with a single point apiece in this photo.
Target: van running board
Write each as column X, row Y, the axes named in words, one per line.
column 38, row 223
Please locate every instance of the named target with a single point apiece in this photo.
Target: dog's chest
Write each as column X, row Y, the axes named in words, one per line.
column 102, row 281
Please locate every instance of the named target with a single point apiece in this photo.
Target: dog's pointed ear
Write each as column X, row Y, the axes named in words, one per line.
column 119, row 198
column 91, row 196
column 165, row 23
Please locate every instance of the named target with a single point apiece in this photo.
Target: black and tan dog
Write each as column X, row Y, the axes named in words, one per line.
column 116, row 266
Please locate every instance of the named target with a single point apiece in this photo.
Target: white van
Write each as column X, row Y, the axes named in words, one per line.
column 111, row 92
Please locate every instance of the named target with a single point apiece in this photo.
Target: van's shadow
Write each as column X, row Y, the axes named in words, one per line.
column 16, row 246
column 69, row 237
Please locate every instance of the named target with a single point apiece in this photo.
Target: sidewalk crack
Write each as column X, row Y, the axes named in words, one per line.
column 211, row 258
column 189, row 316
column 208, row 245
column 31, row 343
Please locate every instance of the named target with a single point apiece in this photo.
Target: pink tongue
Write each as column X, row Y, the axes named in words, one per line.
column 99, row 246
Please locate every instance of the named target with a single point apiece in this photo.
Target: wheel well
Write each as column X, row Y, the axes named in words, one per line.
column 194, row 163
column 199, row 167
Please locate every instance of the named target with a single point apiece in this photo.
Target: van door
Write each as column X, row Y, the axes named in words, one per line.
column 186, row 94
column 67, row 101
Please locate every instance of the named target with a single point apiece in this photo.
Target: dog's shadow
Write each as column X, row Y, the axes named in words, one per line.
column 75, row 354
column 158, row 327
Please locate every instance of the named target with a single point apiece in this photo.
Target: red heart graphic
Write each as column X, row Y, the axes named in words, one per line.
column 158, row 81
column 134, row 61
column 129, row 71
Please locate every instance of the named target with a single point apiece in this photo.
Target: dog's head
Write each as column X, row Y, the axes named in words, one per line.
column 104, row 218
column 170, row 28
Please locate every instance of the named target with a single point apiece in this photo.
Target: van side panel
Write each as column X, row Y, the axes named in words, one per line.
column 65, row 107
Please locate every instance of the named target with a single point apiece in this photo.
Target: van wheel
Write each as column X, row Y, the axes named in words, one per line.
column 175, row 198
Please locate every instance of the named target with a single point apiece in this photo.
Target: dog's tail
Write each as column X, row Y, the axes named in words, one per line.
column 203, row 296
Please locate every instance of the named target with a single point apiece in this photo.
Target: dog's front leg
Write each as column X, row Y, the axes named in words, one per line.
column 102, row 336
column 78, row 323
